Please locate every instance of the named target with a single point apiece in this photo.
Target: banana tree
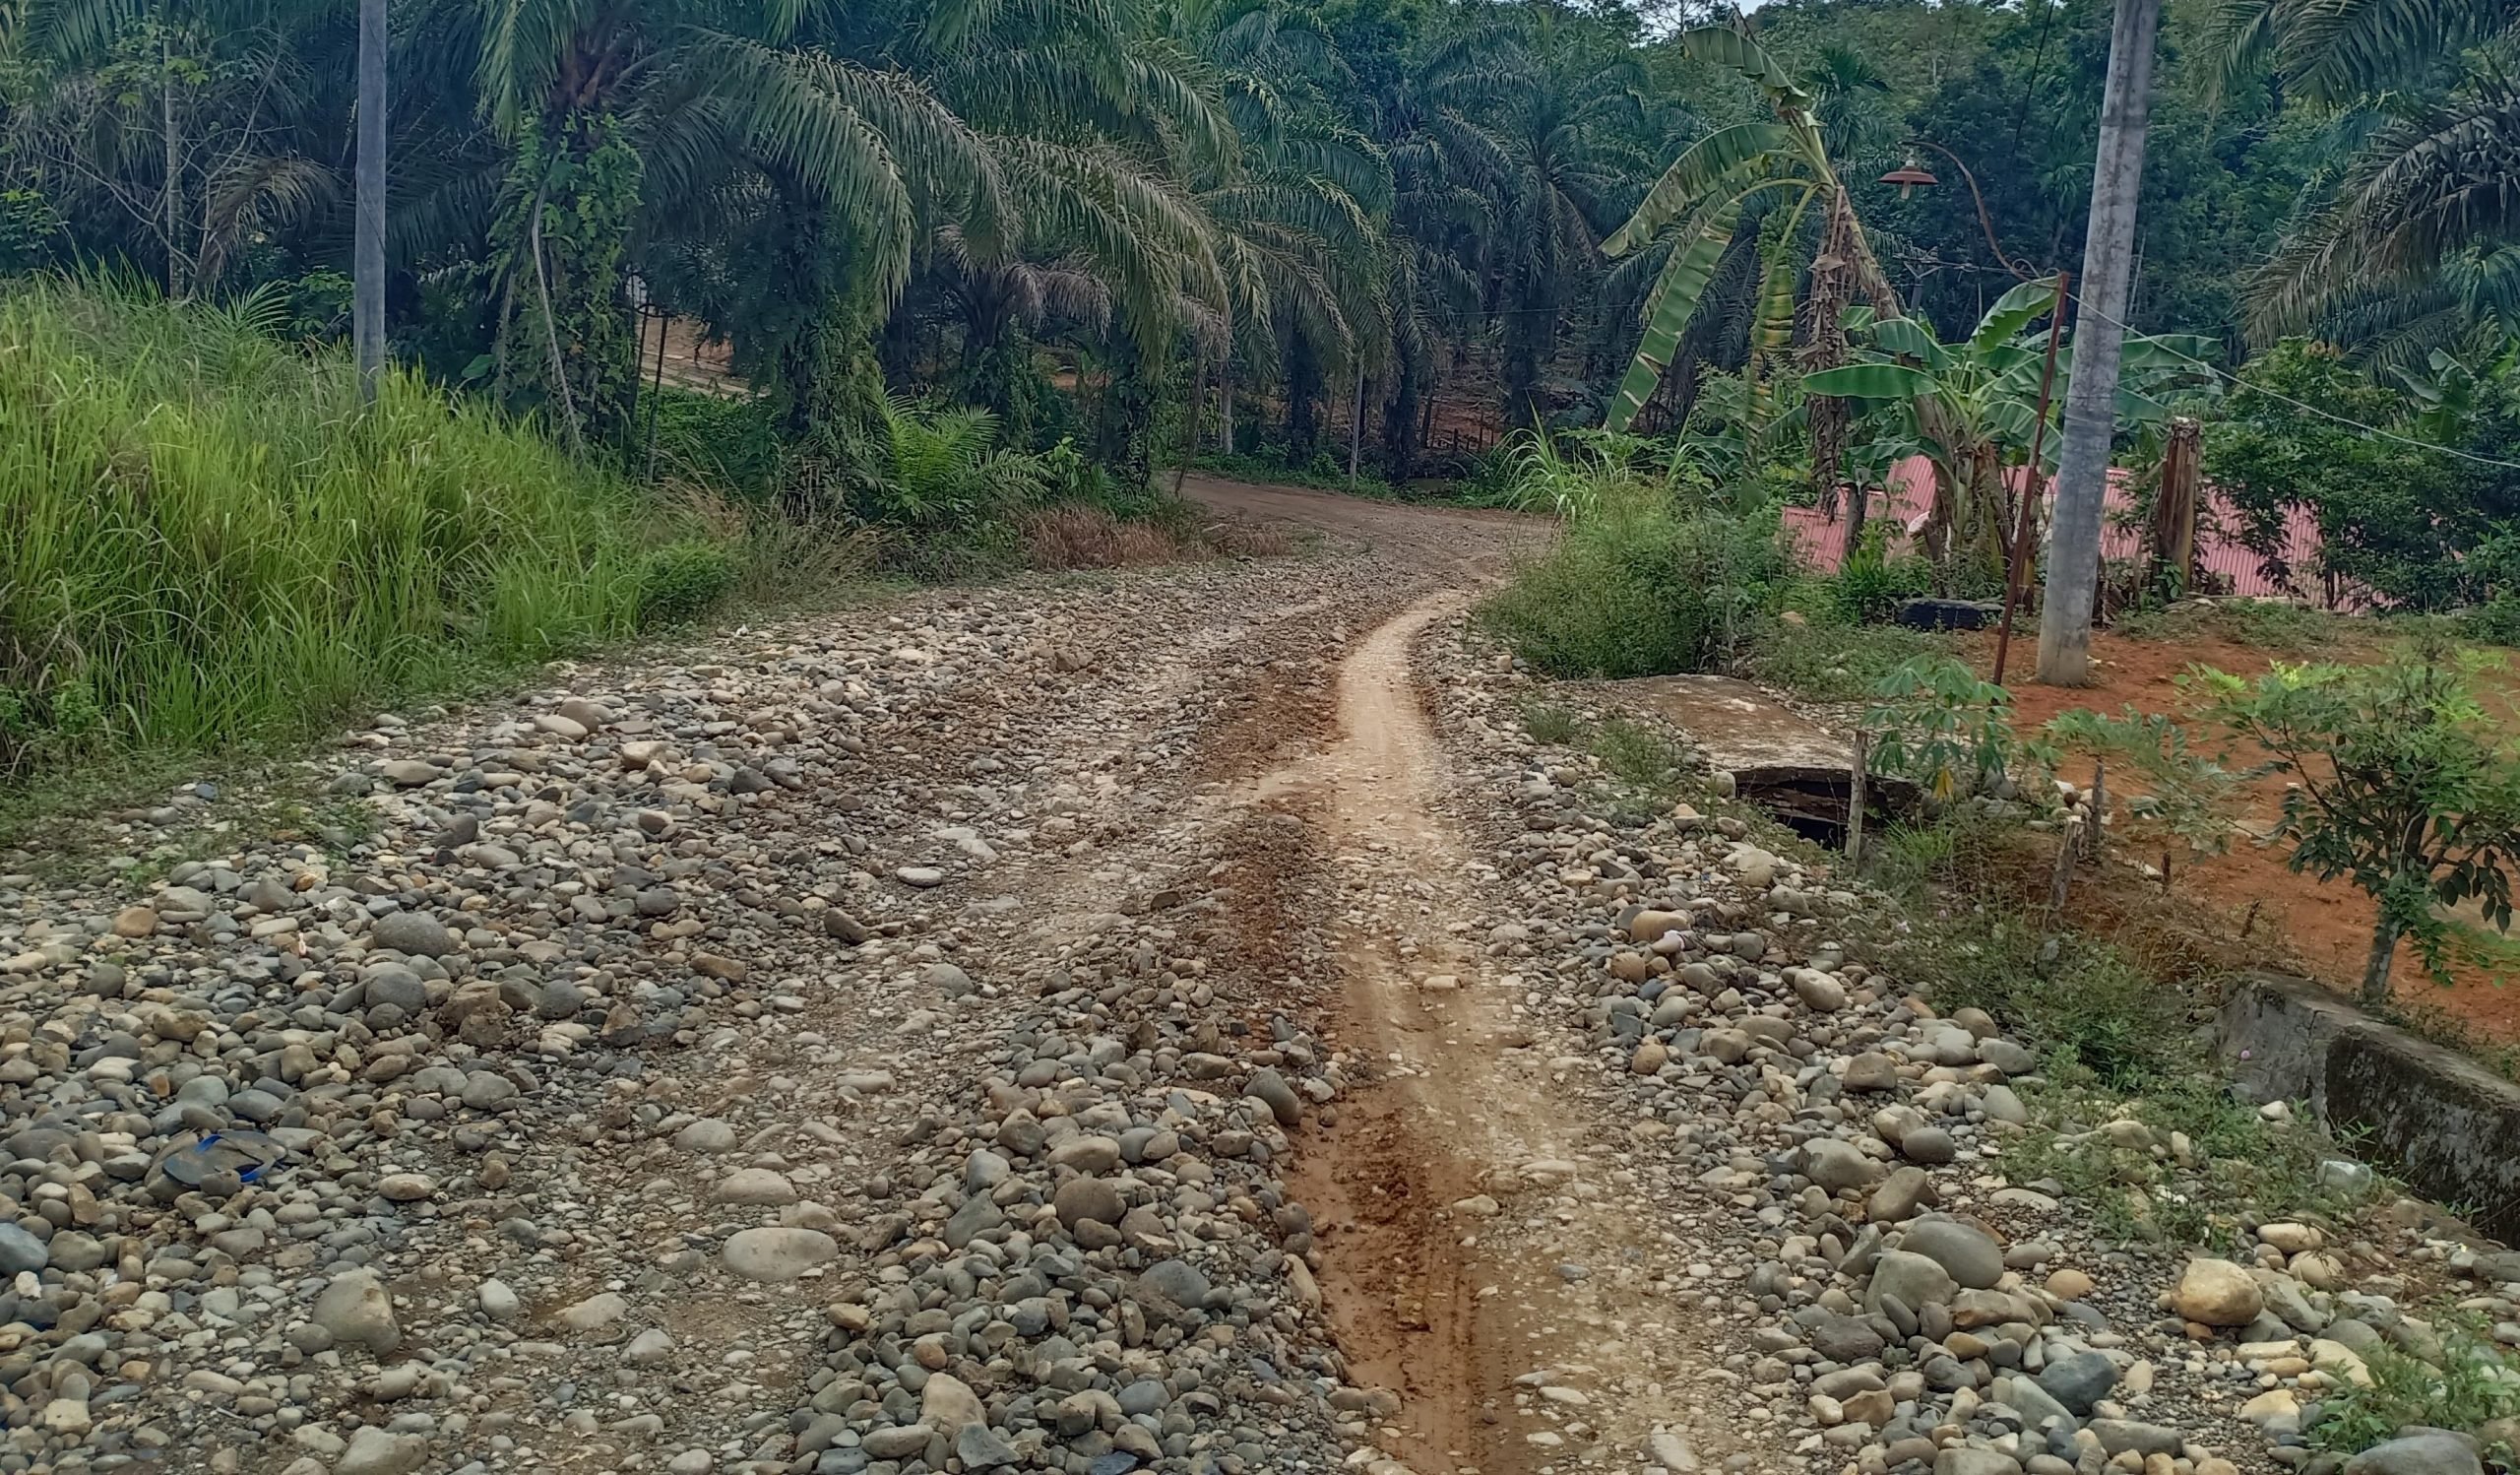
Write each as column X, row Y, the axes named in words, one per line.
column 1699, row 201
column 1968, row 406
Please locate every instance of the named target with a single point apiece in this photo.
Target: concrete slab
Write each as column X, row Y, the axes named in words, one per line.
column 1778, row 758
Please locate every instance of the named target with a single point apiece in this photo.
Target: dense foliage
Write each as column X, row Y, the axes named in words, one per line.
column 1329, row 233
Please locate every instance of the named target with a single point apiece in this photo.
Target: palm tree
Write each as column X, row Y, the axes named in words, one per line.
column 1564, row 110
column 2426, row 197
column 1846, row 91
column 174, row 133
column 621, row 120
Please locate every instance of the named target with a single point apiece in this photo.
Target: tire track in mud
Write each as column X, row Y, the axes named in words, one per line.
column 1415, row 1310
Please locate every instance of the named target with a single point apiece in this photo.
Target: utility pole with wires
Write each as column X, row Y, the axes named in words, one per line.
column 367, row 290
column 2099, row 332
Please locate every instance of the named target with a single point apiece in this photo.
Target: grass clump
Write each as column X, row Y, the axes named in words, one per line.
column 2261, row 624
column 1547, row 722
column 2081, row 1004
column 2129, row 1113
column 1831, row 662
column 212, row 540
column 2472, row 1384
column 1639, row 755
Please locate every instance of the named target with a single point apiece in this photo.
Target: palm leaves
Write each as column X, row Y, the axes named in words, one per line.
column 2429, row 194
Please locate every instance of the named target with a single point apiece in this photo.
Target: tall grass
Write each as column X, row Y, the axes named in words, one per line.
column 1651, row 574
column 208, row 540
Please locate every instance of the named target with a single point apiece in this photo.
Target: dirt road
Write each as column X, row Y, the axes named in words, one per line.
column 1167, row 1021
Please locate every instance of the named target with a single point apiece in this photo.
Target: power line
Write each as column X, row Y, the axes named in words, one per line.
column 2329, row 414
column 2238, row 383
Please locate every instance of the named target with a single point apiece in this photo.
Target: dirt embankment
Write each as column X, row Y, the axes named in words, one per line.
column 2268, row 907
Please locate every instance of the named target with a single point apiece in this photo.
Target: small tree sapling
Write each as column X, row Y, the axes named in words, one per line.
column 2399, row 782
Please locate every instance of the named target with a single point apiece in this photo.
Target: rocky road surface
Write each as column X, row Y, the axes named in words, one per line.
column 1173, row 1021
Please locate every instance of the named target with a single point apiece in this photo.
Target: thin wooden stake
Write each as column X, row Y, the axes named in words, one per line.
column 2093, row 837
column 2063, row 876
column 1854, row 803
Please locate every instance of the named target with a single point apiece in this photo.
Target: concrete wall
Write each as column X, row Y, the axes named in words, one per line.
column 2445, row 1125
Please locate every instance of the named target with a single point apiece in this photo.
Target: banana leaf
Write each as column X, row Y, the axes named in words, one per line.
column 1709, row 162
column 2013, row 311
column 1772, row 331
column 1909, row 337
column 1723, row 46
column 1667, row 310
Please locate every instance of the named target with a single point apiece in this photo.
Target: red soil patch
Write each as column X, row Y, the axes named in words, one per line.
column 2328, row 925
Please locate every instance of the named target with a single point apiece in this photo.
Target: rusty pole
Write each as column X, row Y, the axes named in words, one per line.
column 2030, row 486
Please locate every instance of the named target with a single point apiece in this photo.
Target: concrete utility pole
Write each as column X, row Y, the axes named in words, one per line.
column 367, row 298
column 2099, row 329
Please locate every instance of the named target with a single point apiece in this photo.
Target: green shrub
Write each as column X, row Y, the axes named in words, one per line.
column 1935, row 723
column 211, row 540
column 727, row 443
column 2495, row 622
column 2473, row 1383
column 1641, row 587
column 2401, row 780
column 1870, row 583
column 682, row 581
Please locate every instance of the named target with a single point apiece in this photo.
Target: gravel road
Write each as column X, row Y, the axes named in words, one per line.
column 1165, row 1021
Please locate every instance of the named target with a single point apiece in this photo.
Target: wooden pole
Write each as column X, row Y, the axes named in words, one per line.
column 1856, row 801
column 2174, row 504
column 2063, row 875
column 2032, row 483
column 2093, row 837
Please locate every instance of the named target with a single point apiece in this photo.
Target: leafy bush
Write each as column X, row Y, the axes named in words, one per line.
column 2493, row 622
column 1641, row 587
column 938, row 468
column 1651, row 576
column 682, row 581
column 211, row 540
column 2395, row 518
column 2181, row 795
column 2402, row 782
column 1870, row 583
column 726, row 442
column 1934, row 722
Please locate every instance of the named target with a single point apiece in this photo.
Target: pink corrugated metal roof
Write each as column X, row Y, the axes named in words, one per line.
column 2234, row 569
